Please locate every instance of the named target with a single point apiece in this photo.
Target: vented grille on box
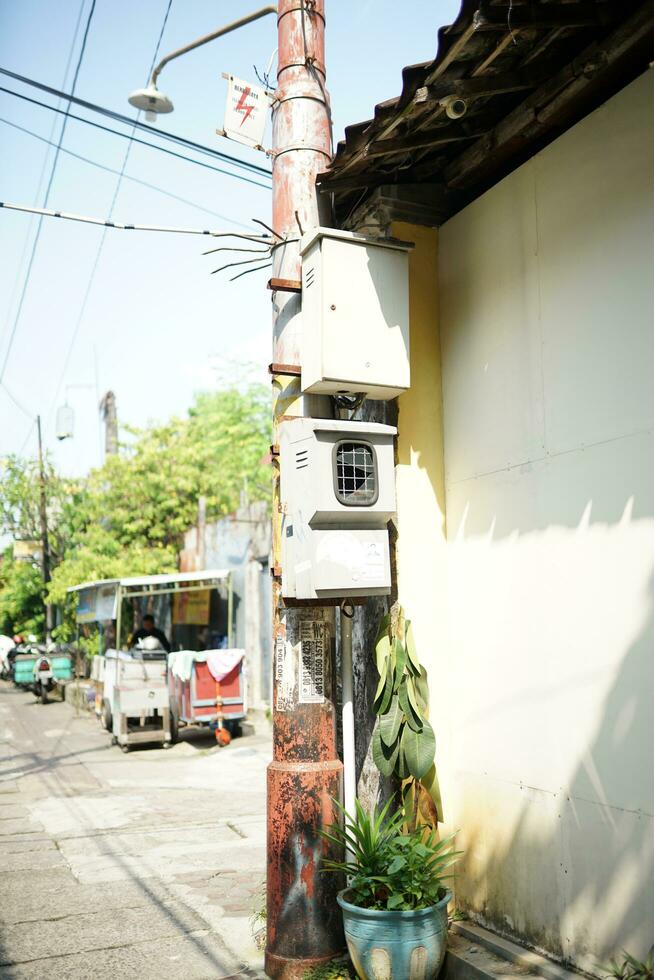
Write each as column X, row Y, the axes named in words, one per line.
column 356, row 474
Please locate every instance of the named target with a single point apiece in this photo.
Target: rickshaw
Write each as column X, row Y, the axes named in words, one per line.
column 133, row 696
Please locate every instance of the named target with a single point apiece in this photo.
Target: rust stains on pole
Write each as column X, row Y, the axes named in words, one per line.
column 303, row 922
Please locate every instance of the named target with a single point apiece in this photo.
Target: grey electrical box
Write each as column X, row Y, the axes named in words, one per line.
column 355, row 314
column 337, row 494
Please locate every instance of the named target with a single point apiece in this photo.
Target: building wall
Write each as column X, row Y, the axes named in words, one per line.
column 545, row 711
column 241, row 542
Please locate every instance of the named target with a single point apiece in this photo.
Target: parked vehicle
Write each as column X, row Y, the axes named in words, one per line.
column 140, row 712
column 43, row 677
column 132, row 695
column 209, row 689
column 39, row 668
column 6, row 644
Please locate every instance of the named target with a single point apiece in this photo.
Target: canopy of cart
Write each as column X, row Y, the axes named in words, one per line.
column 100, row 600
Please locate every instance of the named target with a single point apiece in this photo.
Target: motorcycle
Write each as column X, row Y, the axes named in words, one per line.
column 43, row 677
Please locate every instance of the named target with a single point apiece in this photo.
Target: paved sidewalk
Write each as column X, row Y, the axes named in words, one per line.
column 111, row 865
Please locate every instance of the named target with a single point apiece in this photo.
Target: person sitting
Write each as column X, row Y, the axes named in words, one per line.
column 149, row 629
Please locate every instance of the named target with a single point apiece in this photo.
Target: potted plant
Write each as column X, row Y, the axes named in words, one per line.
column 395, row 906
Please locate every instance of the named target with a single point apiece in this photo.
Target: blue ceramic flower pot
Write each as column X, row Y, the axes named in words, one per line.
column 395, row 945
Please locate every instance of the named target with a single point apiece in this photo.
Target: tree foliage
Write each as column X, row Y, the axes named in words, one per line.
column 21, row 597
column 129, row 516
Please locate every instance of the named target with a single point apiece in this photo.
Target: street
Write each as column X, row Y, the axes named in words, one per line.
column 145, row 864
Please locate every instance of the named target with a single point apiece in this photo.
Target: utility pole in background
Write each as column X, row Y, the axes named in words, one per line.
column 108, row 409
column 303, row 921
column 45, row 546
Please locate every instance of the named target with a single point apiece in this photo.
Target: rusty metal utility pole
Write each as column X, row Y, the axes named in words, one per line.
column 304, row 922
column 45, row 544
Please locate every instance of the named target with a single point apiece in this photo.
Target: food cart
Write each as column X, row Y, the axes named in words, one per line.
column 195, row 610
column 208, row 688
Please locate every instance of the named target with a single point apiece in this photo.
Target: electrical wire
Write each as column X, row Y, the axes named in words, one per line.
column 35, row 243
column 135, row 180
column 8, row 390
column 152, row 146
column 46, row 158
column 96, row 262
column 130, row 121
column 27, row 438
column 122, row 226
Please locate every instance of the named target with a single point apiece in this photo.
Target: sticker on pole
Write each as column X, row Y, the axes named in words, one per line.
column 284, row 675
column 245, row 112
column 313, row 652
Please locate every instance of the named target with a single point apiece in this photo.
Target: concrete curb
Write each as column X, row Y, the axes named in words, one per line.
column 527, row 961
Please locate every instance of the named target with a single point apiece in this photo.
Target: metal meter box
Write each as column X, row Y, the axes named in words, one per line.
column 337, row 494
column 355, row 314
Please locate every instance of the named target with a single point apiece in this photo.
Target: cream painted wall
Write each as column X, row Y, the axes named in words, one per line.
column 546, row 293
column 420, row 556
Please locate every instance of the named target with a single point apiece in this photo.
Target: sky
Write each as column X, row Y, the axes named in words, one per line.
column 151, row 322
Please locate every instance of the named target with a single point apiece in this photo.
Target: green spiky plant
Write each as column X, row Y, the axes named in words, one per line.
column 387, row 868
column 630, row 968
column 403, row 742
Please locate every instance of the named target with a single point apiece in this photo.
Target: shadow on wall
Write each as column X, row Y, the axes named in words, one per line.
column 372, row 787
column 574, row 873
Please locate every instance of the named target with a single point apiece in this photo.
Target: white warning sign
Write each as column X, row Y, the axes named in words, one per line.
column 313, row 653
column 246, row 112
column 284, row 675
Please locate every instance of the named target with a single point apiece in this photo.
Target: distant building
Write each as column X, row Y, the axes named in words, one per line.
column 525, row 475
column 241, row 542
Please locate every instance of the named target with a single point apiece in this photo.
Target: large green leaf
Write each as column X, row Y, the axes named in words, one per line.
column 413, row 720
column 384, row 703
column 389, row 724
column 383, row 626
column 418, row 749
column 382, row 651
column 384, row 757
column 412, row 653
column 400, row 659
column 422, row 687
column 401, row 765
column 382, row 681
column 413, row 697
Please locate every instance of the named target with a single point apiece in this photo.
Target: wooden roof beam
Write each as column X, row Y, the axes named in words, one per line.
column 539, row 112
column 541, row 16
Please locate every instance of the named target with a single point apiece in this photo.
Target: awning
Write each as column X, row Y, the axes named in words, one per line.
column 98, row 601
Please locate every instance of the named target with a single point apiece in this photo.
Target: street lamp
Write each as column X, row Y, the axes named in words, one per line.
column 151, row 100
column 65, row 422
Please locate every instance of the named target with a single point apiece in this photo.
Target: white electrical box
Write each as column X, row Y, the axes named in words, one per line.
column 355, row 314
column 337, row 494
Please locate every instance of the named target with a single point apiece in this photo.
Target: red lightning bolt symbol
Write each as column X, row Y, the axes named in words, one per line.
column 242, row 107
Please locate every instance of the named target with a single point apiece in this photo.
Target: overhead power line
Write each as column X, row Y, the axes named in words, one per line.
column 121, row 226
column 117, row 173
column 44, row 166
column 130, row 121
column 19, row 310
column 152, row 146
column 15, row 401
column 98, row 254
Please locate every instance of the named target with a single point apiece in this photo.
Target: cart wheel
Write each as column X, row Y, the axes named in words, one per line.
column 105, row 716
column 125, row 748
column 114, row 740
column 222, row 736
